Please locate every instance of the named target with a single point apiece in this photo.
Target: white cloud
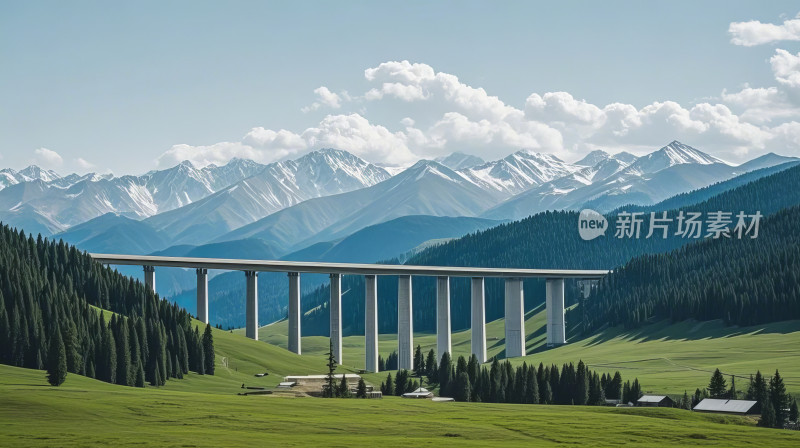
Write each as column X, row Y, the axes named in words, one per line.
column 325, row 98
column 48, row 158
column 356, row 134
column 352, row 133
column 754, row 32
column 434, row 113
column 83, row 164
column 786, row 68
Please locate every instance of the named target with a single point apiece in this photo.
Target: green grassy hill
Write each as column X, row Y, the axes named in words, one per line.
column 85, row 412
column 666, row 358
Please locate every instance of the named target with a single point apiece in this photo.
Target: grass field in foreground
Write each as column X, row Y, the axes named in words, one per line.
column 666, row 358
column 84, row 412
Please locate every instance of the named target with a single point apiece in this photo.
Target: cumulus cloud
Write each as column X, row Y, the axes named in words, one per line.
column 754, row 32
column 786, row 67
column 48, row 158
column 325, row 98
column 352, row 132
column 433, row 113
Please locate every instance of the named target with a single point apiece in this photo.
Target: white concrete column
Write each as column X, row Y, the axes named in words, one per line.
column 515, row 318
column 442, row 317
column 150, row 277
column 554, row 301
column 371, row 323
column 294, row 312
column 251, row 330
column 478, row 319
column 405, row 324
column 202, row 295
column 336, row 316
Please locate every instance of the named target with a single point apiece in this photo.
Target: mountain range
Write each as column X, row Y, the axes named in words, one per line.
column 329, row 194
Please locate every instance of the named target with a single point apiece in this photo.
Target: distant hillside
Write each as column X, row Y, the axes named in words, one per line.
column 546, row 240
column 111, row 233
column 391, row 238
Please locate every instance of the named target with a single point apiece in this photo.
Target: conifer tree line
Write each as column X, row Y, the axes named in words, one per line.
column 743, row 282
column 551, row 240
column 500, row 382
column 50, row 293
column 777, row 407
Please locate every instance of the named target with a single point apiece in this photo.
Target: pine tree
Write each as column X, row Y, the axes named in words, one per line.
column 389, row 386
column 344, row 389
column 361, row 391
column 686, row 402
column 793, row 411
column 419, row 362
column 109, row 368
column 582, row 384
column 208, row 350
column 778, row 398
column 732, row 391
column 56, row 360
column 717, row 387
column 532, row 387
column 768, row 419
column 124, row 371
column 461, row 389
column 139, row 375
column 431, row 369
column 445, row 375
column 547, row 394
column 330, row 389
column 401, row 383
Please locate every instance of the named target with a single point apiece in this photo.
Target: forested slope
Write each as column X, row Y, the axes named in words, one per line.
column 744, row 282
column 51, row 290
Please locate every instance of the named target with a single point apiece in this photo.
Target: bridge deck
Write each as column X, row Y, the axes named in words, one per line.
column 342, row 268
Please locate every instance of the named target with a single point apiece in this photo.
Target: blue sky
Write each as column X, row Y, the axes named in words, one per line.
column 90, row 86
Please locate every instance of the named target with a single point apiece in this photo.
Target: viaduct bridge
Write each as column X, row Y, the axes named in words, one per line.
column 514, row 312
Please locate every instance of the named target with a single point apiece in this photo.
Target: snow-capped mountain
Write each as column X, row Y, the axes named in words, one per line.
column 460, row 161
column 518, row 172
column 611, row 183
column 597, row 156
column 279, row 185
column 74, row 199
column 676, row 153
column 427, row 188
column 10, row 177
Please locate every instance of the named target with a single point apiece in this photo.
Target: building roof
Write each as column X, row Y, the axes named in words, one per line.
column 651, row 398
column 349, row 376
column 341, row 268
column 721, row 405
column 419, row 393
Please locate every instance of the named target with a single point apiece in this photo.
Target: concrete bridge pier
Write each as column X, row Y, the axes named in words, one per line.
column 405, row 324
column 478, row 319
column 150, row 277
column 294, row 312
column 336, row 316
column 443, row 343
column 371, row 323
column 554, row 302
column 515, row 318
column 251, row 329
column 202, row 295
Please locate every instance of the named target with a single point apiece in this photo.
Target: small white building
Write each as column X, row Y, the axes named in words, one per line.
column 419, row 393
